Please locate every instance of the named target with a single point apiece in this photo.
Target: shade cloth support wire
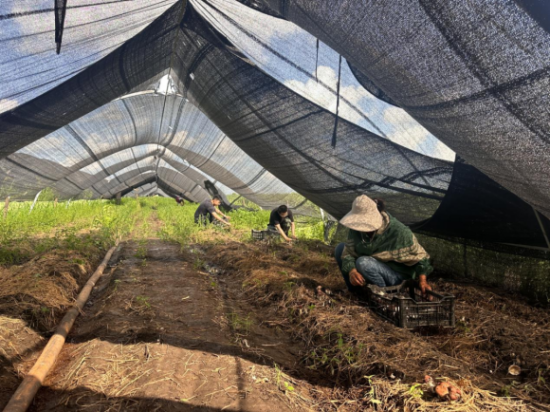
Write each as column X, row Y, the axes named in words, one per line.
column 542, row 228
column 183, row 4
column 335, row 132
column 303, row 202
column 317, row 62
column 231, row 204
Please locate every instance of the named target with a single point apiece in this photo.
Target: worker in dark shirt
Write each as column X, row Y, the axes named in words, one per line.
column 208, row 211
column 180, row 201
column 282, row 221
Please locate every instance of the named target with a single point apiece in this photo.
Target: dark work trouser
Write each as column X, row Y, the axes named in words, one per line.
column 285, row 225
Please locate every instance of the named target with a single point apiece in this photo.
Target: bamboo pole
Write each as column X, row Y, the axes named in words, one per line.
column 24, row 395
column 6, row 207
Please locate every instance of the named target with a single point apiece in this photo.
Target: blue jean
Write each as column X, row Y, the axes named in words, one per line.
column 373, row 271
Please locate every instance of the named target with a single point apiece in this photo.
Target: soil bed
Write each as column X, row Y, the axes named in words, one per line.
column 157, row 335
column 374, row 365
column 235, row 326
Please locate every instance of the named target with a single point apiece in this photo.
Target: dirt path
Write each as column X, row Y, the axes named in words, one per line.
column 157, row 336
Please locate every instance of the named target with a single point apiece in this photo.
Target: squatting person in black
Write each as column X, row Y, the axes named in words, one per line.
column 208, row 211
column 282, row 221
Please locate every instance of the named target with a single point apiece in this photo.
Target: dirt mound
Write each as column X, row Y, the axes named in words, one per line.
column 40, row 290
column 17, row 341
column 372, row 363
column 33, row 298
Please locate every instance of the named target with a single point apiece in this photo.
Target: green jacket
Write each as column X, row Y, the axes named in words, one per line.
column 393, row 244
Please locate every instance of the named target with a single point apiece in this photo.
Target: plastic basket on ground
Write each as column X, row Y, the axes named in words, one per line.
column 261, row 234
column 404, row 306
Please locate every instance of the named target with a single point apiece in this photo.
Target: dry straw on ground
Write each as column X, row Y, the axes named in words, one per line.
column 376, row 366
column 40, row 290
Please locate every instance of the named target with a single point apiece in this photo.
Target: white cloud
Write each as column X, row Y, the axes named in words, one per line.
column 410, row 134
column 319, row 93
column 298, row 47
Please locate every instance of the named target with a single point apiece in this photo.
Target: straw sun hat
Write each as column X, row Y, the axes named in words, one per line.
column 364, row 215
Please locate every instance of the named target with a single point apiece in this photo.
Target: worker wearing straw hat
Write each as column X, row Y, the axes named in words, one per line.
column 380, row 250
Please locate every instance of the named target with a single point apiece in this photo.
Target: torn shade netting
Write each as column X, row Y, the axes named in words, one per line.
column 225, row 92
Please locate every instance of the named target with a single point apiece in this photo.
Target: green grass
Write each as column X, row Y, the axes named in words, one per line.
column 74, row 225
column 178, row 223
column 68, row 225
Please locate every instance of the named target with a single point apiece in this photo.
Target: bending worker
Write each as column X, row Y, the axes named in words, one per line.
column 282, row 221
column 208, row 211
column 380, row 250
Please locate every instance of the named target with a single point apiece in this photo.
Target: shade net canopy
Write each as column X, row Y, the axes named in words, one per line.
column 227, row 92
column 474, row 73
column 29, row 65
column 140, row 134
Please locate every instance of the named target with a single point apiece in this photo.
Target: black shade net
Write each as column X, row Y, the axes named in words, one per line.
column 474, row 73
column 202, row 94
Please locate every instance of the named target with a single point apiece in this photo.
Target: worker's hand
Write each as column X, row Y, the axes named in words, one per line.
column 355, row 278
column 294, row 237
column 227, row 217
column 289, row 240
column 424, row 286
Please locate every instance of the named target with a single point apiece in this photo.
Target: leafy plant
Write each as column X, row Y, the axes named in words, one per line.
column 416, row 391
column 371, row 393
column 239, row 324
column 144, row 301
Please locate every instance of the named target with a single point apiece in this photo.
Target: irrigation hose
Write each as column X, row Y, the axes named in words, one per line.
column 26, row 391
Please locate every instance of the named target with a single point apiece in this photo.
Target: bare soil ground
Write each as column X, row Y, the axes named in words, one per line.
column 157, row 336
column 233, row 326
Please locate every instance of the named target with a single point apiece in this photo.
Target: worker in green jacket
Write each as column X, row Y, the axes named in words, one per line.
column 380, row 250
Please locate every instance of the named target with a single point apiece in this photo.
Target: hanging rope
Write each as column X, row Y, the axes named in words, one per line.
column 317, row 62
column 334, row 133
column 59, row 11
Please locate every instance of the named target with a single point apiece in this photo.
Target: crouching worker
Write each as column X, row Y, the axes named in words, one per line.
column 282, row 221
column 208, row 211
column 380, row 250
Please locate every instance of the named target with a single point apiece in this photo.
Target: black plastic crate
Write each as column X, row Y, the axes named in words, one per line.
column 404, row 306
column 262, row 234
